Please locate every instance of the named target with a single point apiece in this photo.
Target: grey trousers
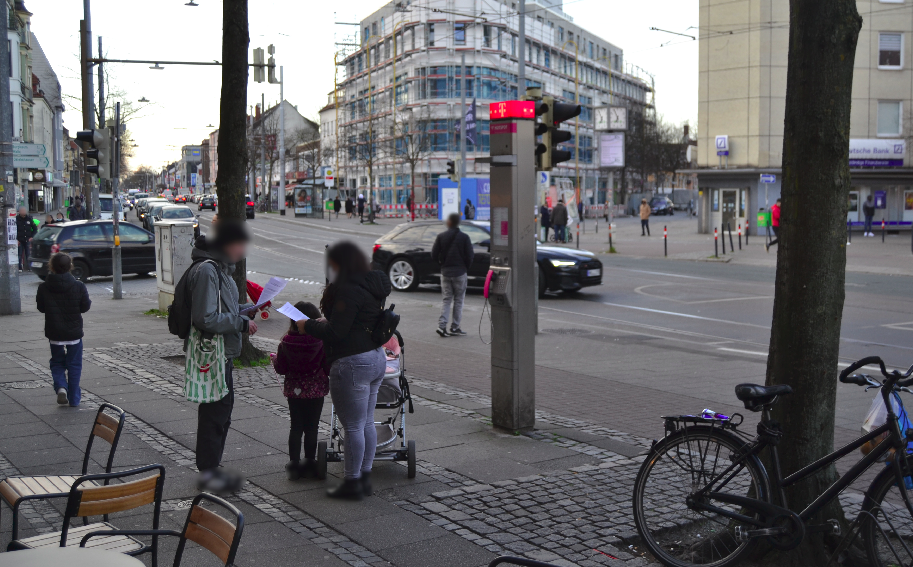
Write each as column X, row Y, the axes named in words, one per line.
column 454, row 290
column 354, row 381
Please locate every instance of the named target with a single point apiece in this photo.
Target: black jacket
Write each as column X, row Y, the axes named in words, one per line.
column 453, row 251
column 25, row 228
column 545, row 216
column 350, row 319
column 868, row 209
column 63, row 299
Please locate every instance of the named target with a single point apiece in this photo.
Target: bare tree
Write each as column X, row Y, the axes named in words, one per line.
column 412, row 143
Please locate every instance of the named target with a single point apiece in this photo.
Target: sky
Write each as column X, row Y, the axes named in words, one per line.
column 184, row 100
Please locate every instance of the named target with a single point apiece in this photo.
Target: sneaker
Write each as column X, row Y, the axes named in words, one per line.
column 308, row 469
column 219, row 481
column 458, row 332
column 292, row 470
column 366, row 486
column 350, row 489
column 62, row 397
column 442, row 332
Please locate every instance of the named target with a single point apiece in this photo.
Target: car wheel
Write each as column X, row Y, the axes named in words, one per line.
column 541, row 283
column 81, row 271
column 402, row 275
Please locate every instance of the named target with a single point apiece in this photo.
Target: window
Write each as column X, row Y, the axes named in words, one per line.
column 89, row 233
column 475, row 234
column 889, row 118
column 548, row 60
column 513, row 45
column 367, row 34
column 591, row 50
column 560, row 33
column 374, row 28
column 459, row 34
column 429, row 40
column 130, row 233
column 890, row 50
column 382, row 26
column 500, row 48
column 486, row 36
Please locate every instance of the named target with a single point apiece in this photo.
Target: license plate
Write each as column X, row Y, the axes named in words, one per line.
column 37, row 264
column 593, row 273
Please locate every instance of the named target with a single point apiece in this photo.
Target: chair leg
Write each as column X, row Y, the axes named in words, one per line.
column 15, row 530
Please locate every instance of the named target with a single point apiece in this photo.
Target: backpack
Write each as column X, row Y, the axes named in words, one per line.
column 179, row 311
column 385, row 326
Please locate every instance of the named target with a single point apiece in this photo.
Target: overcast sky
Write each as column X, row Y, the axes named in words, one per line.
column 185, row 99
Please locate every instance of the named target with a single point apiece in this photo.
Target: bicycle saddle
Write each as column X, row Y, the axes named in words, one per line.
column 755, row 397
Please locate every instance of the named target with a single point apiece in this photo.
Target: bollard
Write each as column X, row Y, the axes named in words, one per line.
column 723, row 240
column 882, row 230
column 746, row 233
column 665, row 241
column 740, row 236
column 597, row 226
column 849, row 233
column 731, row 246
column 716, row 245
column 578, row 235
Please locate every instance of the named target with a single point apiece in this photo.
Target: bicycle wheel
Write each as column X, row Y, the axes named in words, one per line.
column 884, row 501
column 680, row 464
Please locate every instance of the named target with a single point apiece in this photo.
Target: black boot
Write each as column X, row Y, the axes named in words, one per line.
column 350, row 489
column 366, row 487
column 292, row 470
column 309, row 468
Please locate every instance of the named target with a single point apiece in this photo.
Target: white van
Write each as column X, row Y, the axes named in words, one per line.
column 107, row 208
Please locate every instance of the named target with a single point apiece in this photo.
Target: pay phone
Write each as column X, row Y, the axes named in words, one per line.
column 497, row 286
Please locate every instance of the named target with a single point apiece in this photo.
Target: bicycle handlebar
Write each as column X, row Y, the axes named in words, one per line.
column 859, row 380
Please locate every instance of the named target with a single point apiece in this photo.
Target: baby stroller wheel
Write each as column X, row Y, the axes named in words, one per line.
column 322, row 460
column 264, row 315
column 410, row 459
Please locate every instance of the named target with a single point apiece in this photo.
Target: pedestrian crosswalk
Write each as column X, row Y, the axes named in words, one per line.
column 299, row 280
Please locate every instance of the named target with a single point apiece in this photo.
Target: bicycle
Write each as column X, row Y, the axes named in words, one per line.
column 703, row 497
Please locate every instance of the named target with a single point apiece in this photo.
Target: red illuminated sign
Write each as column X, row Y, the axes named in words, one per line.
column 512, row 109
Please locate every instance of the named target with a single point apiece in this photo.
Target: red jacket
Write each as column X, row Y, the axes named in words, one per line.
column 301, row 360
column 775, row 215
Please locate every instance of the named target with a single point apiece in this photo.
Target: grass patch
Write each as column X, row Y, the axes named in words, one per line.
column 161, row 313
column 612, row 250
column 264, row 361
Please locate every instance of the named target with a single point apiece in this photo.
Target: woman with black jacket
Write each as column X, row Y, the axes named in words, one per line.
column 352, row 305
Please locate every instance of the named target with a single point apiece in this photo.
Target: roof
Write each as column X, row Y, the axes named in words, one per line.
column 41, row 67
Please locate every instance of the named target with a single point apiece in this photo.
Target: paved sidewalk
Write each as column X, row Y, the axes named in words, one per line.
column 560, row 494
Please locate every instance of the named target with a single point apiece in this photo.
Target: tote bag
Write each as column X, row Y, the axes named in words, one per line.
column 204, row 365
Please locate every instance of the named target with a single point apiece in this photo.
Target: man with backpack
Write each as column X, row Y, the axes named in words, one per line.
column 208, row 294
column 453, row 251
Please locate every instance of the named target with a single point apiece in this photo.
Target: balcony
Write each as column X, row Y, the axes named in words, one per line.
column 26, row 93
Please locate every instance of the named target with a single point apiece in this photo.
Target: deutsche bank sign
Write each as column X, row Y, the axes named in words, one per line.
column 722, row 145
column 877, row 153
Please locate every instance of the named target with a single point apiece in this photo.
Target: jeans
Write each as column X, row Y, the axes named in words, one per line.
column 645, row 226
column 545, row 227
column 213, row 421
column 868, row 224
column 354, row 381
column 454, row 290
column 776, row 239
column 305, row 419
column 559, row 232
column 23, row 255
column 66, row 368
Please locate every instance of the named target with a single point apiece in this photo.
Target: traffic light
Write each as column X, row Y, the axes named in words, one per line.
column 271, row 65
column 556, row 113
column 100, row 140
column 541, row 130
column 453, row 170
column 258, row 65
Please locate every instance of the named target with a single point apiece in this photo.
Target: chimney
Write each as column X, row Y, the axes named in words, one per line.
column 687, row 131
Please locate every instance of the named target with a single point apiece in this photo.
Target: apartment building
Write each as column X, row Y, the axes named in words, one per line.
column 566, row 60
column 743, row 62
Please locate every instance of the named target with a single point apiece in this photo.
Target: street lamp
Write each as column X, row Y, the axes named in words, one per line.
column 157, row 68
column 144, row 99
column 191, row 3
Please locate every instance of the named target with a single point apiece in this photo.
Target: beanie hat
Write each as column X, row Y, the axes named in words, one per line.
column 229, row 232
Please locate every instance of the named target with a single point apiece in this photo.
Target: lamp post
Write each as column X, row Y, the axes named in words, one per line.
column 411, row 181
column 576, row 120
column 370, row 140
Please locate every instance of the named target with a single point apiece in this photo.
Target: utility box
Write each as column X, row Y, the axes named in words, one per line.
column 173, row 246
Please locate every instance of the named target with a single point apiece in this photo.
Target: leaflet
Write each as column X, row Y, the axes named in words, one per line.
column 289, row 311
column 270, row 291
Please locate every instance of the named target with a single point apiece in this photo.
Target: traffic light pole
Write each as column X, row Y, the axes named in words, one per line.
column 462, row 171
column 513, row 257
column 10, row 301
column 115, row 182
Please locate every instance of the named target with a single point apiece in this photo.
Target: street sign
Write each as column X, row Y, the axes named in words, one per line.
column 545, row 180
column 329, row 179
column 768, row 178
column 29, row 150
column 32, row 162
column 722, row 145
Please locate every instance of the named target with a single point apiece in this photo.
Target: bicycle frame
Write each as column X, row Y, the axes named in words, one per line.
column 895, row 440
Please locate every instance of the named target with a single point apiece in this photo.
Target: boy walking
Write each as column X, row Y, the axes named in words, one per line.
column 63, row 299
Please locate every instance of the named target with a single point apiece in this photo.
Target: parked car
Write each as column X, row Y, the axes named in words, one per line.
column 207, row 202
column 177, row 212
column 405, row 255
column 250, row 206
column 662, row 206
column 89, row 243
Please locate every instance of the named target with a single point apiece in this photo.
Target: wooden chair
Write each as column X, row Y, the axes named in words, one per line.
column 18, row 489
column 203, row 527
column 92, row 496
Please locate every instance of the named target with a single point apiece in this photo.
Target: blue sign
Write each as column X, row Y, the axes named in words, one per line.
column 768, row 178
column 881, row 199
column 722, row 153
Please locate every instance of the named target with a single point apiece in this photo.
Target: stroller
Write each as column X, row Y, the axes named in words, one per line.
column 392, row 395
column 254, row 291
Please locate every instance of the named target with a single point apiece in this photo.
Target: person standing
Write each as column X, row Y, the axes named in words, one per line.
column 350, row 207
column 409, row 207
column 545, row 220
column 774, row 224
column 352, row 305
column 452, row 250
column 644, row 218
column 214, row 310
column 77, row 211
column 868, row 210
column 63, row 299
column 337, row 206
column 559, row 220
column 469, row 212
column 301, row 360
column 25, row 230
column 361, row 207
column 580, row 210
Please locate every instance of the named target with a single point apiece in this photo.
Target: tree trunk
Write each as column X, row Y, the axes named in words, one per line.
column 811, row 259
column 232, row 148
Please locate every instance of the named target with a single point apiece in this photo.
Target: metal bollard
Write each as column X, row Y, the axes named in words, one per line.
column 665, row 241
column 882, row 230
column 723, row 234
column 746, row 233
column 578, row 235
column 716, row 245
column 740, row 236
column 729, row 227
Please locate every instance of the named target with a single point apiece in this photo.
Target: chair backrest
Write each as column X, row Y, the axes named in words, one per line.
column 101, row 499
column 211, row 531
column 108, row 428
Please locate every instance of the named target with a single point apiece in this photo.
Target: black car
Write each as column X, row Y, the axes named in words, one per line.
column 405, row 255
column 662, row 206
column 207, row 202
column 250, row 206
column 153, row 211
column 89, row 243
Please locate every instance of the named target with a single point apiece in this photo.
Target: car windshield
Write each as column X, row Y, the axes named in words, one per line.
column 658, row 201
column 47, row 233
column 107, row 205
column 177, row 214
